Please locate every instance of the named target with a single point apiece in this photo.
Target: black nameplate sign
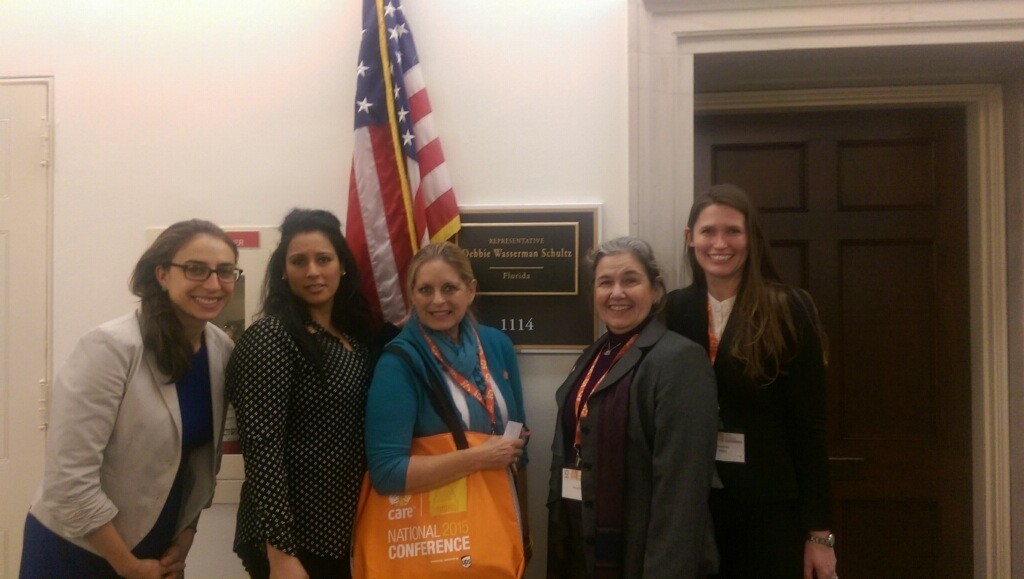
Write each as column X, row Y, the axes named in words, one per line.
column 533, row 282
column 523, row 258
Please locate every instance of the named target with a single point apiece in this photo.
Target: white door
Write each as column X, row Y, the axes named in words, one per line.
column 25, row 149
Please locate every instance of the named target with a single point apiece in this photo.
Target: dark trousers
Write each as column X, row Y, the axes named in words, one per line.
column 757, row 540
column 47, row 555
column 254, row 559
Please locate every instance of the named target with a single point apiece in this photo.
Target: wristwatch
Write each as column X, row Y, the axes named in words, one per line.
column 829, row 541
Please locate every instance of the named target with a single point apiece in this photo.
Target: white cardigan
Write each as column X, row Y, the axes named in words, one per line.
column 114, row 439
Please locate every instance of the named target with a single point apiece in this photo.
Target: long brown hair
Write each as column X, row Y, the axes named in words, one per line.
column 766, row 335
column 162, row 331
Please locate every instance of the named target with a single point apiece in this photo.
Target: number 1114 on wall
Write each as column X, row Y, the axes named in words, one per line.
column 516, row 325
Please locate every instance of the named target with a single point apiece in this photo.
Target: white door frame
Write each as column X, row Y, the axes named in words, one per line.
column 665, row 37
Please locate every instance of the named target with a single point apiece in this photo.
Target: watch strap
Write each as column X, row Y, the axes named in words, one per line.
column 828, row 541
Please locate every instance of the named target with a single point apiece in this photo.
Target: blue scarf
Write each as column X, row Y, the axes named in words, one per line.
column 462, row 356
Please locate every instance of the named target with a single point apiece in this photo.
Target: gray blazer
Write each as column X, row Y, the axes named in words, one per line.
column 114, row 440
column 670, row 443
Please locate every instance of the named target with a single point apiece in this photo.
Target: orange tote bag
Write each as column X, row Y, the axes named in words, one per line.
column 468, row 528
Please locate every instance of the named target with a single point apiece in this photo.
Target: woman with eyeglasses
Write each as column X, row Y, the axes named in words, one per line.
column 298, row 381
column 137, row 413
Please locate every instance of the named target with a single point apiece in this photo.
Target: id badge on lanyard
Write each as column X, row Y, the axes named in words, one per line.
column 731, row 447
column 572, row 484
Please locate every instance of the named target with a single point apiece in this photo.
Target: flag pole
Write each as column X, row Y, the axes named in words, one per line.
column 403, row 179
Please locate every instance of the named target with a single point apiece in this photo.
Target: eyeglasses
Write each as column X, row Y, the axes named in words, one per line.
column 226, row 273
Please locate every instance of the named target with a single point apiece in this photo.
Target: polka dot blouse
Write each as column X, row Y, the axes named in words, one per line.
column 302, row 439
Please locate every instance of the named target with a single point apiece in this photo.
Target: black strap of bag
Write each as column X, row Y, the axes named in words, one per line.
column 438, row 399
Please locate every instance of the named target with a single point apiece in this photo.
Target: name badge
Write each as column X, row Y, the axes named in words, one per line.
column 513, row 430
column 572, row 484
column 731, row 447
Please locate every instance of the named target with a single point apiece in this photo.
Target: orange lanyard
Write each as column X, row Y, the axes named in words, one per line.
column 582, row 406
column 487, row 400
column 712, row 338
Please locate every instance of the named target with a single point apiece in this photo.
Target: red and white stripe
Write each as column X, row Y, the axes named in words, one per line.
column 377, row 230
column 377, row 227
column 434, row 204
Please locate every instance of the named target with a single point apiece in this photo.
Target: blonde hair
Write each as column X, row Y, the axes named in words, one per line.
column 447, row 252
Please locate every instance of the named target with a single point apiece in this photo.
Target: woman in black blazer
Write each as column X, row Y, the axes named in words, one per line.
column 770, row 504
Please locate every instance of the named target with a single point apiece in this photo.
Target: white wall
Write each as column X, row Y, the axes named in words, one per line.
column 237, row 110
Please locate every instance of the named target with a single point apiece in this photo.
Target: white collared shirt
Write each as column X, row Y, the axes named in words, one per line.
column 720, row 311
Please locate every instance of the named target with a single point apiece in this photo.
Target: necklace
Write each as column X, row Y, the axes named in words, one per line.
column 609, row 348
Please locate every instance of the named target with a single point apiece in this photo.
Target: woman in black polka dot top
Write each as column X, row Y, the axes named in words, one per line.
column 298, row 381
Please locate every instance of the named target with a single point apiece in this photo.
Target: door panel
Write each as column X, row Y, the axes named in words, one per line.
column 883, row 553
column 867, row 210
column 24, row 291
column 874, row 409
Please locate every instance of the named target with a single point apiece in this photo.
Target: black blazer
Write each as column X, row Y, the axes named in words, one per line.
column 783, row 422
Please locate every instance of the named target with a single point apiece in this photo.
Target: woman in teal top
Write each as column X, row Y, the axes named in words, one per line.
column 475, row 364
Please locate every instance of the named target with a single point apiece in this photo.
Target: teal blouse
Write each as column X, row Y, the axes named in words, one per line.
column 398, row 408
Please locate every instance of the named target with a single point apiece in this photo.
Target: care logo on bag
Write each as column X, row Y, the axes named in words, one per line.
column 449, row 499
column 402, row 509
column 399, row 500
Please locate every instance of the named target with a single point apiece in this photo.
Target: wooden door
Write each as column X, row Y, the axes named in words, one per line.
column 867, row 210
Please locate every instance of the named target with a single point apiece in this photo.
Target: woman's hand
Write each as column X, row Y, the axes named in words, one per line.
column 111, row 546
column 149, row 569
column 178, row 550
column 426, row 473
column 283, row 565
column 498, row 452
column 819, row 561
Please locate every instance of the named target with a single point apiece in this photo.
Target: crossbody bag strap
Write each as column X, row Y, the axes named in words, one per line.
column 438, row 400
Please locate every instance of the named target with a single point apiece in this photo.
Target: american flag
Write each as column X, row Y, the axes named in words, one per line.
column 400, row 195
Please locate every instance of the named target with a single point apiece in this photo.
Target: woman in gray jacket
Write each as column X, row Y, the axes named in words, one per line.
column 135, row 427
column 635, row 437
